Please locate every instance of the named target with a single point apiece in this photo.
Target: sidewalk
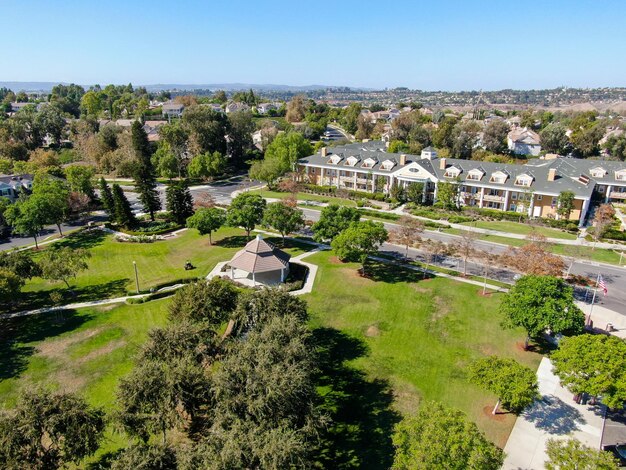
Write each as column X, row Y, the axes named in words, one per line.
column 602, row 315
column 556, row 415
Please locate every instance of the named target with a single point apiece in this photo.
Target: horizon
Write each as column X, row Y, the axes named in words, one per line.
column 451, row 46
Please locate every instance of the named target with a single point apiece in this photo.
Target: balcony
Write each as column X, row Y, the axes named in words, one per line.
column 617, row 195
column 492, row 198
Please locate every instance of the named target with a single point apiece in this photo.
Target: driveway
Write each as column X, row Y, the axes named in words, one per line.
column 556, row 415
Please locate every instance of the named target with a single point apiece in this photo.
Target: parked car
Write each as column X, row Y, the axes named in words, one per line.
column 619, row 451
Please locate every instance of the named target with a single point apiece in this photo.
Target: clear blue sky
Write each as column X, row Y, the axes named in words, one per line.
column 433, row 45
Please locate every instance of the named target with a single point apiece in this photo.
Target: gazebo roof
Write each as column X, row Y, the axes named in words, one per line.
column 260, row 256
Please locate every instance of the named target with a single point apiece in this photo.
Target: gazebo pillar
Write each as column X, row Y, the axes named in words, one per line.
column 282, row 275
column 253, row 279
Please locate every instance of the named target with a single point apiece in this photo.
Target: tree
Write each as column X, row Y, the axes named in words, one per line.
column 284, row 218
column 246, row 211
column 145, row 178
column 465, row 247
column 515, row 385
column 296, row 109
column 146, row 457
column 441, row 437
column 572, row 454
column 20, row 263
column 494, row 136
column 106, row 196
column 207, row 221
column 207, row 165
column 350, row 118
column 27, row 217
column 565, row 204
column 540, row 303
column 593, row 364
column 415, row 193
column 602, row 220
column 122, row 212
column 408, row 233
column 448, row 195
column 63, row 264
column 53, row 195
column 365, row 127
column 257, row 308
column 287, row 148
column 267, row 171
column 533, row 258
column 241, row 128
column 554, row 139
column 80, row 179
column 616, row 146
column 359, row 240
column 212, row 302
column 10, row 284
column 179, row 202
column 333, row 220
column 49, row 431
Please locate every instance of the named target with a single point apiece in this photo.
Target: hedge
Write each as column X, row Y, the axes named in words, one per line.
column 613, row 234
column 380, row 215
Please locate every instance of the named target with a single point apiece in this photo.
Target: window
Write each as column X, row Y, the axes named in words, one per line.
column 335, row 159
column 475, row 175
column 523, row 180
column 601, row 189
column 539, row 198
column 598, row 172
column 452, row 172
column 514, row 196
column 554, row 201
column 498, row 177
column 368, row 163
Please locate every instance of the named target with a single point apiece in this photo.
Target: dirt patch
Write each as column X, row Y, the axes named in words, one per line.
column 334, row 260
column 372, row 331
column 488, row 412
column 68, row 381
column 485, row 294
column 420, row 290
column 56, row 349
column 521, row 346
column 102, row 351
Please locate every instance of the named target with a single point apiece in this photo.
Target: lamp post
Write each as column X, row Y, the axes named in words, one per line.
column 136, row 276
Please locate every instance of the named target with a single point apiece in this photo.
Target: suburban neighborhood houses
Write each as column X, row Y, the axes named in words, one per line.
column 396, row 243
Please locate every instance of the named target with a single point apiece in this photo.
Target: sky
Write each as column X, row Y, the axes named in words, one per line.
column 427, row 45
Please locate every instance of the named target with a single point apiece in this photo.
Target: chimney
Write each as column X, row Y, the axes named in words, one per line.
column 442, row 164
column 323, row 151
column 551, row 174
column 403, row 159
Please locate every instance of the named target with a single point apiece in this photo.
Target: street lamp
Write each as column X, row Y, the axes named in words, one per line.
column 136, row 276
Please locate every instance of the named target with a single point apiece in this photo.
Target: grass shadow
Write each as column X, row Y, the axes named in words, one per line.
column 234, row 241
column 16, row 333
column 362, row 418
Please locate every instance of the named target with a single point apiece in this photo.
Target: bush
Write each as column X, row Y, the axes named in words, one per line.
column 380, row 215
column 613, row 234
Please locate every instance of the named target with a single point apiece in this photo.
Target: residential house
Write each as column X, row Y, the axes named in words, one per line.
column 265, row 108
column 152, row 129
column 234, row 107
column 172, row 110
column 18, row 105
column 12, row 185
column 524, row 141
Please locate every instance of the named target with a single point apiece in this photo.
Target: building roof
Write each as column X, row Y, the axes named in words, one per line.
column 525, row 136
column 260, row 256
column 173, row 107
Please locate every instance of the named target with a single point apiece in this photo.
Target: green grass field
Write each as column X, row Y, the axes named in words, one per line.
column 305, row 197
column 406, row 339
column 521, row 229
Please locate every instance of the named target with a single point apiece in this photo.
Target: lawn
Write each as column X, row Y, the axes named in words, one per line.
column 111, row 273
column 305, row 197
column 400, row 339
column 521, row 229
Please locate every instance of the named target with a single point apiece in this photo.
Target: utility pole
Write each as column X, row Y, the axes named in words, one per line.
column 136, row 276
column 593, row 299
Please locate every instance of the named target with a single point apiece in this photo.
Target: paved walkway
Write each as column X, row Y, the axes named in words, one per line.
column 602, row 316
column 556, row 415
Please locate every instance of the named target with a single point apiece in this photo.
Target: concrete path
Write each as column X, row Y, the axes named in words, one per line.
column 602, row 316
column 556, row 415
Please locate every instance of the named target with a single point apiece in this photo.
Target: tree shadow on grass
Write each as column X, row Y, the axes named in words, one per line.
column 235, row 241
column 17, row 331
column 391, row 273
column 83, row 239
column 41, row 299
column 362, row 418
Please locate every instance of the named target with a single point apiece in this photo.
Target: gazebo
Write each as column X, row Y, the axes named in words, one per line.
column 261, row 262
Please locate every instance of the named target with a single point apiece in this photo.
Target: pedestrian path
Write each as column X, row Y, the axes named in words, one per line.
column 603, row 318
column 556, row 416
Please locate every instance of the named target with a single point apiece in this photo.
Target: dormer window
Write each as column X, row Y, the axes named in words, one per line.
column 368, row 163
column 351, row 161
column 524, row 180
column 475, row 175
column 452, row 172
column 598, row 172
column 498, row 177
column 334, row 160
column 620, row 175
column 387, row 165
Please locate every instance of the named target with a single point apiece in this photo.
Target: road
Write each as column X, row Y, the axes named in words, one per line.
column 333, row 133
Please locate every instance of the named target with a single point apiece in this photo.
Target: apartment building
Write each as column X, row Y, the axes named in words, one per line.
column 532, row 189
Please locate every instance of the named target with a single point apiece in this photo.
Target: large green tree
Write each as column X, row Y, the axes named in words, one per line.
column 27, row 217
column 145, row 177
column 246, row 211
column 554, row 139
column 571, row 454
column 63, row 264
column 212, row 302
column 207, row 220
column 287, row 148
column 179, row 201
column 359, row 241
column 515, row 385
column 284, row 218
column 122, row 212
column 494, row 136
column 565, row 204
column 47, row 431
column 541, row 303
column 207, row 165
column 106, row 196
column 594, row 364
column 437, row 437
column 53, row 194
column 333, row 220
